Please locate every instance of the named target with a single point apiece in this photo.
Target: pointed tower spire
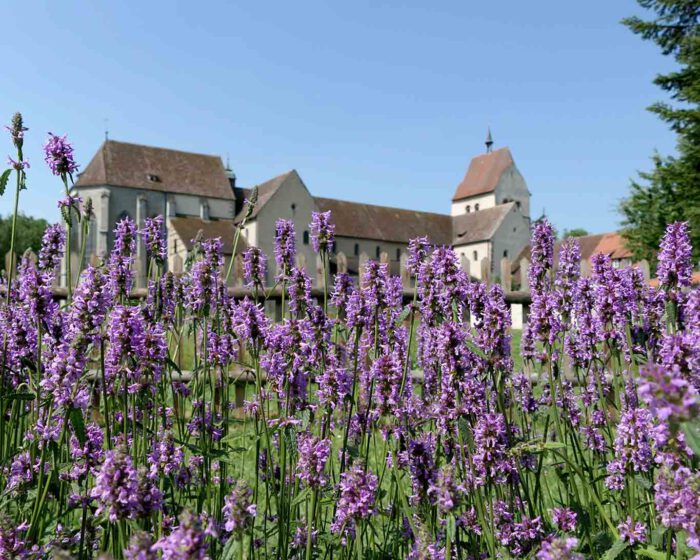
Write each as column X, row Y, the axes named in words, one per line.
column 489, row 141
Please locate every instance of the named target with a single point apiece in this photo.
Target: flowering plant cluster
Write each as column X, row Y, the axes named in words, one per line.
column 186, row 424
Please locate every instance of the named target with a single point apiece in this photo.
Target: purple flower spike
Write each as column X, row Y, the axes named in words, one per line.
column 322, row 232
column 58, row 154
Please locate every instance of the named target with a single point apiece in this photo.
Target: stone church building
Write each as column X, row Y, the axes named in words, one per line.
column 489, row 217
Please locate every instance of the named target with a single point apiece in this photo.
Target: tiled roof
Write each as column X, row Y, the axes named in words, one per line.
column 121, row 164
column 480, row 225
column 367, row 221
column 188, row 228
column 484, row 173
column 265, row 192
column 613, row 244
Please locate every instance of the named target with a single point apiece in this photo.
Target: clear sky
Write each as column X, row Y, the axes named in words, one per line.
column 380, row 102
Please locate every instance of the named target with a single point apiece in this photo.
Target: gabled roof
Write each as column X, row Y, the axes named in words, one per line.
column 478, row 226
column 381, row 223
column 121, row 164
column 484, row 173
column 613, row 244
column 266, row 191
column 187, row 229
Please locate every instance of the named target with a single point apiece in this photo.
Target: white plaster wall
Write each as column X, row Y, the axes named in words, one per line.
column 484, row 201
column 482, row 249
column 250, row 233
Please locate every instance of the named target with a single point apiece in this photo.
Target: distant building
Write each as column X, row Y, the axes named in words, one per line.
column 489, row 217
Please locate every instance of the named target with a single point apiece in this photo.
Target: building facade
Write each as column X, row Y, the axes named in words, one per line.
column 198, row 196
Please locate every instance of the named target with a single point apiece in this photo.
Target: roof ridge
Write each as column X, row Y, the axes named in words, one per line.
column 151, row 147
column 378, row 205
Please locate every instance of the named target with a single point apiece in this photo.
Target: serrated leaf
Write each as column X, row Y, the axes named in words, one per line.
column 23, row 396
column 75, row 415
column 651, row 553
column 4, row 178
column 615, row 550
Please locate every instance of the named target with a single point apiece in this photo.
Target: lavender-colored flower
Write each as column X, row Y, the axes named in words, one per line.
column 51, row 251
column 123, row 491
column 632, row 532
column 563, row 548
column 358, row 489
column 541, row 254
column 421, row 463
column 58, row 154
column 122, row 257
column 669, row 396
column 633, row 445
column 677, row 498
column 568, row 272
column 322, row 232
column 285, row 245
column 254, row 267
column 334, row 384
column 675, row 265
column 140, row 547
column 18, row 165
column 205, row 276
column 564, row 519
column 299, row 291
column 154, row 239
column 418, row 250
column 238, row 511
column 313, row 455
column 445, row 492
column 491, row 459
column 17, row 130
column 188, row 541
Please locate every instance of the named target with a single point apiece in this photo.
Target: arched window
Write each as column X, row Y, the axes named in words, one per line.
column 517, row 203
column 123, row 216
column 476, row 256
column 468, row 208
column 505, row 253
column 398, row 254
column 378, row 251
column 476, row 207
column 294, row 208
column 306, row 237
column 357, row 249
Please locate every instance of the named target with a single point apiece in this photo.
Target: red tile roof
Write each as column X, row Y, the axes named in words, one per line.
column 484, row 173
column 121, row 164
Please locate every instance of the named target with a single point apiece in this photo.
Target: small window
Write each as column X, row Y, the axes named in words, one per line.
column 306, row 238
column 357, row 249
column 398, row 254
column 517, row 204
column 294, row 208
column 476, row 256
column 174, row 245
column 378, row 251
column 505, row 253
column 468, row 208
column 152, row 178
column 476, row 208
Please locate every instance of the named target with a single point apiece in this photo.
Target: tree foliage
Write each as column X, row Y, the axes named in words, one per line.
column 575, row 232
column 671, row 190
column 28, row 235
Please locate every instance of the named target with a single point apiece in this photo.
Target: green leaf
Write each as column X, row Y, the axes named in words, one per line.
column 643, row 482
column 75, row 415
column 4, row 178
column 651, row 553
column 19, row 396
column 615, row 550
column 692, row 435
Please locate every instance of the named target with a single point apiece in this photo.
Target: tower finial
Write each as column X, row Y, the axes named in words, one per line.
column 106, row 129
column 489, row 140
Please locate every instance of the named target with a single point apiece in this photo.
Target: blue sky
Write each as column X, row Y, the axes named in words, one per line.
column 381, row 102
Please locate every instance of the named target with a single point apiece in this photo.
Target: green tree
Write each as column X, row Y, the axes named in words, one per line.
column 576, row 232
column 28, row 235
column 671, row 190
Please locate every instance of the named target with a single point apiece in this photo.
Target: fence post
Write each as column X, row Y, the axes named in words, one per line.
column 464, row 262
column 486, row 270
column 506, row 276
column 644, row 267
column 10, row 263
column 585, row 268
column 403, row 270
column 319, row 271
column 341, row 262
column 524, row 270
column 177, row 265
column 361, row 268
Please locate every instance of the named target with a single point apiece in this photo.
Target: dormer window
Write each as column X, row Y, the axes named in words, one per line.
column 152, row 178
